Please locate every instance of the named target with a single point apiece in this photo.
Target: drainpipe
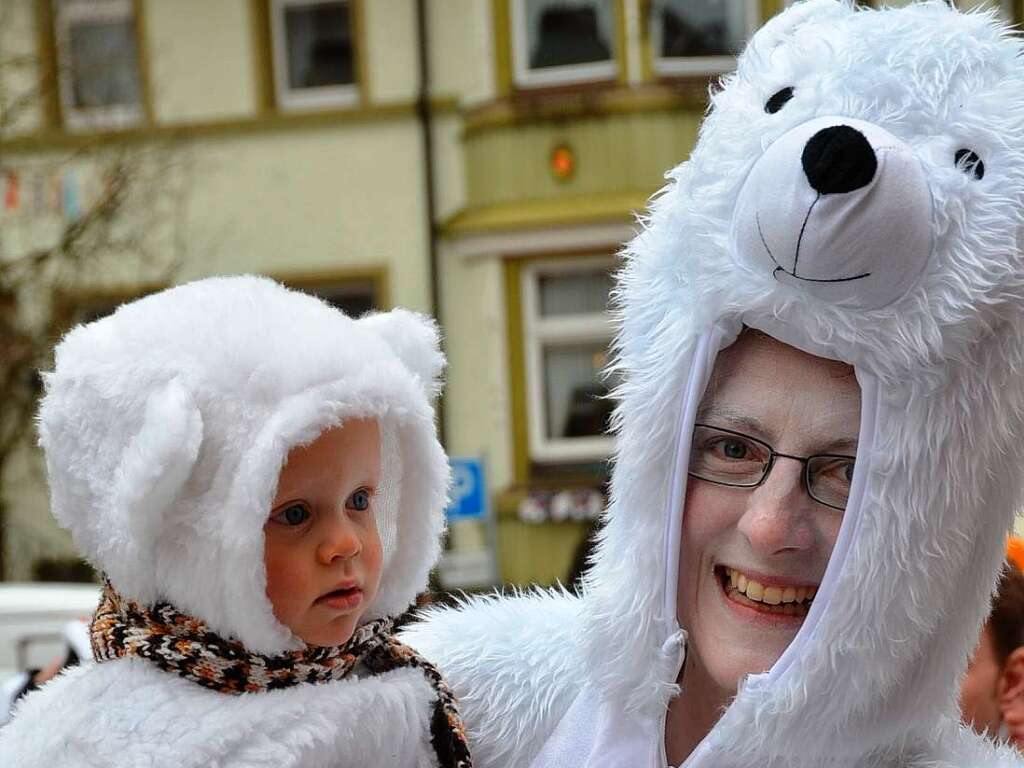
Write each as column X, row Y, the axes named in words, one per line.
column 423, row 114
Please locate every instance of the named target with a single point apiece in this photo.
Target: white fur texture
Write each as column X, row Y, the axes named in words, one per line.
column 875, row 682
column 128, row 713
column 165, row 426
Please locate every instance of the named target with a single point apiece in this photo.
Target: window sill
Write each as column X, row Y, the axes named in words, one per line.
column 249, row 124
column 546, row 104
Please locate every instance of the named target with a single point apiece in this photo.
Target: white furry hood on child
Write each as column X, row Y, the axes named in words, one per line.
column 914, row 276
column 165, row 426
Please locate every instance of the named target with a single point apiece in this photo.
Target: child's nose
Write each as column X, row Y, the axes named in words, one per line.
column 341, row 540
column 775, row 519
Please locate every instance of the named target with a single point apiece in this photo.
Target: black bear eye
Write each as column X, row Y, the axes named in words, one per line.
column 778, row 100
column 968, row 161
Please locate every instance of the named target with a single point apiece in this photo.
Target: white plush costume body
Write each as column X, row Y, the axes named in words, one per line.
column 165, row 426
column 835, row 200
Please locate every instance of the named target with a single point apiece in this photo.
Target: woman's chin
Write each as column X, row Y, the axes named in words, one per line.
column 740, row 639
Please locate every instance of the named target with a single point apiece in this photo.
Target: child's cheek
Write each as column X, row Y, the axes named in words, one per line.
column 287, row 581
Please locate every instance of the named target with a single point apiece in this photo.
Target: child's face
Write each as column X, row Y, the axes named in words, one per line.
column 322, row 550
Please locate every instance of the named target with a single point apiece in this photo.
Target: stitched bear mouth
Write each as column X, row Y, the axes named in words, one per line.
column 793, row 274
column 780, row 268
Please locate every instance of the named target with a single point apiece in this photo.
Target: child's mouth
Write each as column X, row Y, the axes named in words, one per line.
column 343, row 599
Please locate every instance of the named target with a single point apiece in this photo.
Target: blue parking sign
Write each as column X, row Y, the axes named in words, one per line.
column 469, row 494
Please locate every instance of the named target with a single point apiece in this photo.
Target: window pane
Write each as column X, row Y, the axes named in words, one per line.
column 575, row 294
column 565, row 32
column 701, row 27
column 104, row 63
column 320, row 46
column 574, row 390
column 354, row 298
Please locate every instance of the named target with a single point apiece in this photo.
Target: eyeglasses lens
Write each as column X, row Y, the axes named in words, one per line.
column 728, row 458
column 829, row 479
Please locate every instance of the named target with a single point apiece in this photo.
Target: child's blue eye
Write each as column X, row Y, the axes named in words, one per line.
column 296, row 514
column 360, row 500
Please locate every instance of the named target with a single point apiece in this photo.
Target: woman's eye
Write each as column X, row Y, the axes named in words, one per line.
column 360, row 500
column 837, row 470
column 778, row 100
column 732, row 448
column 296, row 514
column 968, row 161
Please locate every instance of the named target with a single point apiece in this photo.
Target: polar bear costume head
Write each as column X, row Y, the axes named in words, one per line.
column 166, row 424
column 857, row 191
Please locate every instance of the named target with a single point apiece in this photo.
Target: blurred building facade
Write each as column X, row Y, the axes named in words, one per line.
column 481, row 160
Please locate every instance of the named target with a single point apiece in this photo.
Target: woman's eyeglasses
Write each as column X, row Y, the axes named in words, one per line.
column 731, row 458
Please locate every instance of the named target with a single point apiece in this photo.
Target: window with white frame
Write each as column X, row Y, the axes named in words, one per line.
column 563, row 41
column 314, row 53
column 567, row 330
column 98, row 63
column 699, row 36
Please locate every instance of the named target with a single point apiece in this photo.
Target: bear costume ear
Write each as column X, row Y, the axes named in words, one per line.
column 782, row 26
column 415, row 339
column 156, row 463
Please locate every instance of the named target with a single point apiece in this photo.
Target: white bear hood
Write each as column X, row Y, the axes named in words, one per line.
column 165, row 426
column 905, row 264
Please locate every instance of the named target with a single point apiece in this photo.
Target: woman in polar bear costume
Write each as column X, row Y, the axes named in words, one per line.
column 258, row 477
column 855, row 194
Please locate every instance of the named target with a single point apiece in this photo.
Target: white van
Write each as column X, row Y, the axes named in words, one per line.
column 36, row 629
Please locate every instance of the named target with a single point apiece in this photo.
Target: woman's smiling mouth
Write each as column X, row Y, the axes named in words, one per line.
column 759, row 595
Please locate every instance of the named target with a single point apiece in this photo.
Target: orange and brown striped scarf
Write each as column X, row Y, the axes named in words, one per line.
column 184, row 645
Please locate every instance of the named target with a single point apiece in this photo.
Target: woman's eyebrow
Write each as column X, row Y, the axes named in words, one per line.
column 847, row 446
column 741, row 421
column 731, row 418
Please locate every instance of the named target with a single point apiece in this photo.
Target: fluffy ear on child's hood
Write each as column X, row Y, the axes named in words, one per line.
column 165, row 426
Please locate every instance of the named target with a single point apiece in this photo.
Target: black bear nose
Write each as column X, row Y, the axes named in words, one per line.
column 839, row 159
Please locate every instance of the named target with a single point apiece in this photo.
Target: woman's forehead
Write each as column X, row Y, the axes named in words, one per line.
column 774, row 389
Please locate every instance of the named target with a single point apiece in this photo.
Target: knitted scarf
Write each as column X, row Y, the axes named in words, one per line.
column 183, row 645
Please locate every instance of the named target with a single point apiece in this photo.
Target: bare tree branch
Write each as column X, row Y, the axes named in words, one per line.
column 135, row 219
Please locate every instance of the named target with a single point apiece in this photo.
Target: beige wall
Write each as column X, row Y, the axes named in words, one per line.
column 18, row 39
column 201, row 59
column 391, row 58
column 461, row 49
column 312, row 200
column 477, row 407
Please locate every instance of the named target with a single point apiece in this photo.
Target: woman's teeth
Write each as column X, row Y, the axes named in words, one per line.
column 781, row 597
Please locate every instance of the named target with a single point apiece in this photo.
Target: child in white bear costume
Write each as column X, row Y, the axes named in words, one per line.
column 856, row 192
column 259, row 479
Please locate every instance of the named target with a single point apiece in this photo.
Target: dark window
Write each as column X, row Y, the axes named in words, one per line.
column 688, row 28
column 320, row 47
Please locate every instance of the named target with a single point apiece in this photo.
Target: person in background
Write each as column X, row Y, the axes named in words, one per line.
column 992, row 694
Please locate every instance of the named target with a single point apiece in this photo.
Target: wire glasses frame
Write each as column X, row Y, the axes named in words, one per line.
column 725, row 457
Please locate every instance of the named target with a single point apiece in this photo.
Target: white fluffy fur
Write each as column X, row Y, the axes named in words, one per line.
column 875, row 684
column 165, row 426
column 128, row 713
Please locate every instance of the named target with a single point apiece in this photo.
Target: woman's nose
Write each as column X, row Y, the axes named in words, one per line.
column 775, row 519
column 340, row 540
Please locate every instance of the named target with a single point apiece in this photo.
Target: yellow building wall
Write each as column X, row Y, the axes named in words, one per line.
column 201, row 63
column 313, row 200
column 18, row 39
column 477, row 408
column 461, row 50
column 389, row 27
